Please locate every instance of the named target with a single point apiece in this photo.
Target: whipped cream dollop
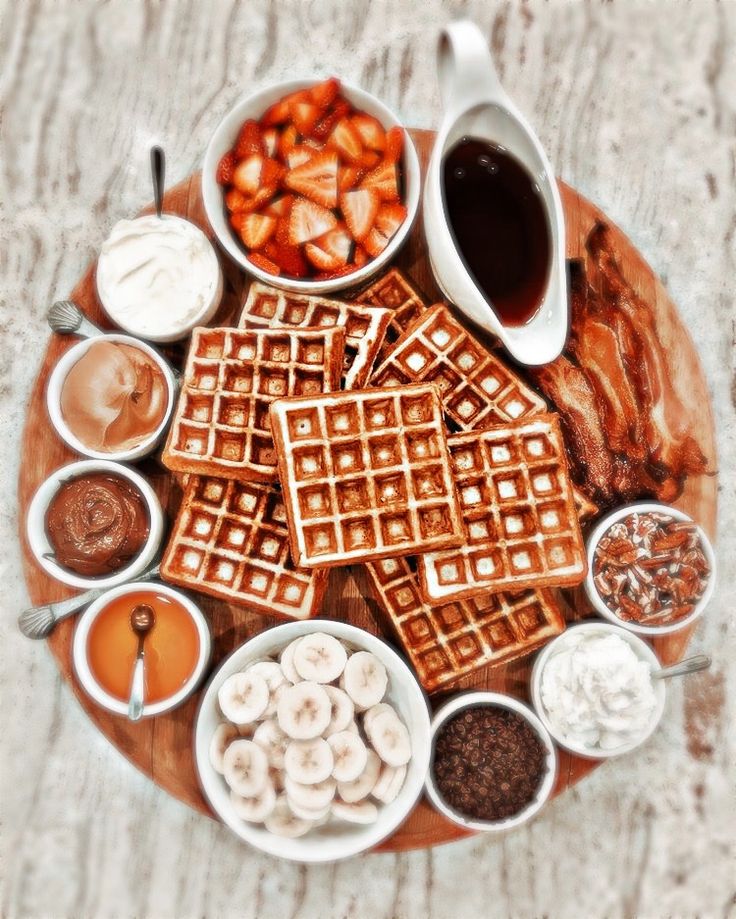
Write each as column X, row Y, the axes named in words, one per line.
column 597, row 692
column 158, row 277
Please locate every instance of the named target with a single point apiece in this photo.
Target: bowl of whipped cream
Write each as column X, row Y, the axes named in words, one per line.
column 593, row 690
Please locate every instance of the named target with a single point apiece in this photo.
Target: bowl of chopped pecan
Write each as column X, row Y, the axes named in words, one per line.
column 651, row 568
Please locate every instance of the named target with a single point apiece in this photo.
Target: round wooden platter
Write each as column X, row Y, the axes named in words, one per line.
column 162, row 747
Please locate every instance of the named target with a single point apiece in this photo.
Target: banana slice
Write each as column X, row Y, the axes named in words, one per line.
column 312, row 797
column 360, row 788
column 389, row 783
column 316, row 815
column 350, row 755
column 374, row 710
column 319, row 657
column 286, row 660
column 257, row 808
column 245, row 767
column 273, row 699
column 304, row 710
column 353, row 728
column 342, row 710
column 283, row 822
column 243, row 697
column 224, row 733
column 363, row 812
column 309, row 761
column 364, row 679
column 390, row 739
column 272, row 740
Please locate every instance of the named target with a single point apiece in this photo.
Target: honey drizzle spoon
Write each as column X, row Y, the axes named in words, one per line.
column 66, row 318
column 142, row 620
column 689, row 665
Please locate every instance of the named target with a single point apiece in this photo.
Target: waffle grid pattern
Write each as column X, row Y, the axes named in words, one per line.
column 365, row 326
column 450, row 641
column 366, row 475
column 394, row 291
column 521, row 526
column 232, row 376
column 230, row 540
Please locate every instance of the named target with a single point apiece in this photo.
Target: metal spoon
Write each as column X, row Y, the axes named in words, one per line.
column 688, row 665
column 158, row 172
column 142, row 619
column 66, row 318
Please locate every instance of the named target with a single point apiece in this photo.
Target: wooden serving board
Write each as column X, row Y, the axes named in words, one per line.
column 162, row 747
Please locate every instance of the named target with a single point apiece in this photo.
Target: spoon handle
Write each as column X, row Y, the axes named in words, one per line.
column 689, row 665
column 158, row 173
column 135, row 703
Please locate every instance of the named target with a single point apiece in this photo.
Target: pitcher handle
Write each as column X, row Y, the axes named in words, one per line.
column 465, row 68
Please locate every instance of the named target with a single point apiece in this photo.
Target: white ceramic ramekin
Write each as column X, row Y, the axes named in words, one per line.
column 223, row 139
column 601, row 528
column 330, row 842
column 39, row 541
column 642, row 651
column 494, row 700
column 81, row 662
column 56, row 383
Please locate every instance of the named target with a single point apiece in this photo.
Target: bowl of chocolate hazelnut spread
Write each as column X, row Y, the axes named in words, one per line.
column 95, row 523
column 111, row 397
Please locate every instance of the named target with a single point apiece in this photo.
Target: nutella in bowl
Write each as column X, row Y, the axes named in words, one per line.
column 95, row 523
column 158, row 277
column 111, row 397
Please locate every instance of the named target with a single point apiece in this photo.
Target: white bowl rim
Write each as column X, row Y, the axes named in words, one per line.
column 313, row 849
column 642, row 650
column 79, row 648
column 36, row 516
column 201, row 318
column 643, row 507
column 56, row 382
column 498, row 700
column 213, row 199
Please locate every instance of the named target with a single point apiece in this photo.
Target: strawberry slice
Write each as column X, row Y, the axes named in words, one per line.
column 235, row 200
column 384, row 181
column 247, row 175
column 348, row 177
column 280, row 207
column 236, row 220
column 304, row 116
column 289, row 258
column 325, row 93
column 278, row 113
column 331, row 251
column 299, row 155
column 337, row 273
column 360, row 257
column 327, row 122
column 316, row 179
column 394, row 144
column 272, row 172
column 388, row 220
column 371, row 131
column 359, row 209
column 249, row 140
column 270, row 141
column 256, row 230
column 346, row 140
column 369, row 160
column 308, row 221
column 265, row 264
column 225, row 168
column 288, row 141
column 283, row 230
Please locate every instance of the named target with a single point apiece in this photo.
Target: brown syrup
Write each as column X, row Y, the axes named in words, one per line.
column 499, row 225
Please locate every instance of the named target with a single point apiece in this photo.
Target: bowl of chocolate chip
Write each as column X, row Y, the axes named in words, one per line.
column 651, row 568
column 493, row 762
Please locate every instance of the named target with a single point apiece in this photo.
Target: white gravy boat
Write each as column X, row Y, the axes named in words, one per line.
column 476, row 105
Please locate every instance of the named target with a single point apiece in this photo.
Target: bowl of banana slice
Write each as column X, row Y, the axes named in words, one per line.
column 312, row 741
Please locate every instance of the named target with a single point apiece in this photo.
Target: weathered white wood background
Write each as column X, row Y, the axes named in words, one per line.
column 635, row 103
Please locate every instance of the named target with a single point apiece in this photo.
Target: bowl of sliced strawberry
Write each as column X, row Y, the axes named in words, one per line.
column 310, row 186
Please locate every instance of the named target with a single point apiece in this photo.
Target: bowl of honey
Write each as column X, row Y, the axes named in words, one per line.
column 176, row 649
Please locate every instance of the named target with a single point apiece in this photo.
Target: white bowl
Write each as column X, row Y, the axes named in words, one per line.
column 332, row 841
column 39, row 541
column 81, row 663
column 643, row 507
column 56, row 383
column 223, row 139
column 497, row 700
column 642, row 650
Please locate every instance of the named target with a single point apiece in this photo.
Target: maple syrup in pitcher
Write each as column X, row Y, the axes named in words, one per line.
column 499, row 225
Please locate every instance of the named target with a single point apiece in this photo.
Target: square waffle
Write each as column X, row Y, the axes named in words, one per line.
column 230, row 540
column 366, row 474
column 221, row 425
column 450, row 641
column 477, row 388
column 521, row 526
column 365, row 326
column 394, row 291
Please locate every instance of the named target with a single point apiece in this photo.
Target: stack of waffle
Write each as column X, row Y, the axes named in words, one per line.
column 447, row 478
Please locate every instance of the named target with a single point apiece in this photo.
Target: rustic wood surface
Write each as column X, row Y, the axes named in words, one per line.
column 635, row 103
